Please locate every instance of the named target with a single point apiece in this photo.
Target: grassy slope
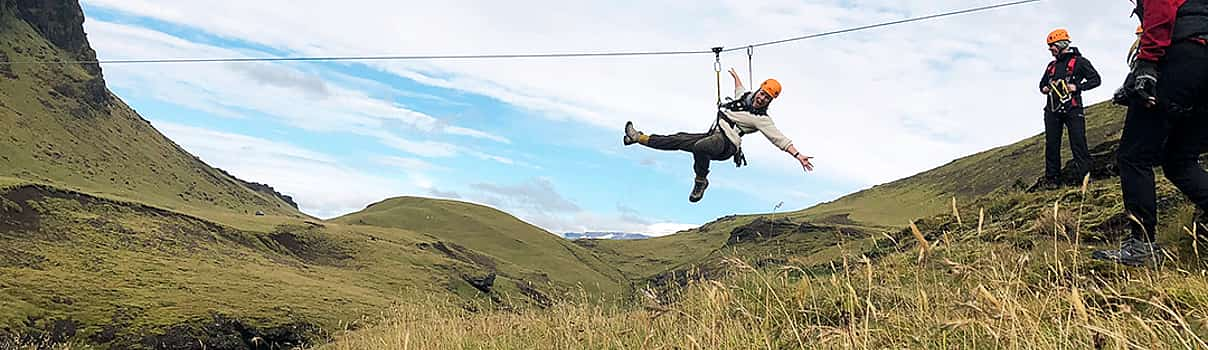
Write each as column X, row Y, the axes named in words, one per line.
column 1011, row 283
column 527, row 249
column 930, row 192
column 53, row 135
column 71, row 256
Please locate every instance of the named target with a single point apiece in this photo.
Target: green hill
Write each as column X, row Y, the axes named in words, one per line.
column 499, row 235
column 930, row 192
column 64, row 127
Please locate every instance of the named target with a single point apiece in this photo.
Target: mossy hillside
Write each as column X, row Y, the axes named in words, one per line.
column 501, row 236
column 64, row 127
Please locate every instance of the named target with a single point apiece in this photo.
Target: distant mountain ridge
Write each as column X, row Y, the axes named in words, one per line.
column 604, row 235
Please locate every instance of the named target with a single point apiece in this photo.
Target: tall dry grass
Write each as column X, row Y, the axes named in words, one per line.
column 961, row 291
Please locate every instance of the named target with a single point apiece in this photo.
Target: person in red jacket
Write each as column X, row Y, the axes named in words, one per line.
column 1167, row 121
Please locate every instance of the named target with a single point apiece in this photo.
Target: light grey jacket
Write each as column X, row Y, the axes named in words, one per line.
column 747, row 122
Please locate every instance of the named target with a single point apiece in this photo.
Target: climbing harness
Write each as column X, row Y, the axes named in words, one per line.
column 1060, row 97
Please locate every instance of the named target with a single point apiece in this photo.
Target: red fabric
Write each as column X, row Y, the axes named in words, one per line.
column 1158, row 21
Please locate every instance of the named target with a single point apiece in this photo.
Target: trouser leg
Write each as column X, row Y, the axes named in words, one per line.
column 1075, row 124
column 1184, row 86
column 1052, row 145
column 708, row 149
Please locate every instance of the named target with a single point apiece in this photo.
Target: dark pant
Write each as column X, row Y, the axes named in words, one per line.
column 1073, row 121
column 1172, row 135
column 704, row 148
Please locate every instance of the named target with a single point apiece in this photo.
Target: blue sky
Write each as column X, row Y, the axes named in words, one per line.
column 541, row 138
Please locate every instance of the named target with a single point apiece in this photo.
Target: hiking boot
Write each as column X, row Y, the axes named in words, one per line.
column 698, row 190
column 1132, row 252
column 632, row 135
column 1050, row 184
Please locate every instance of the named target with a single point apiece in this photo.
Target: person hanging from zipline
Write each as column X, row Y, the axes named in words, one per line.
column 746, row 113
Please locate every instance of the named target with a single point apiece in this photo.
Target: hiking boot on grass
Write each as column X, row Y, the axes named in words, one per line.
column 1132, row 252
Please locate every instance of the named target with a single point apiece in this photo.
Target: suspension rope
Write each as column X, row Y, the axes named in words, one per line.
column 717, row 70
column 529, row 55
column 750, row 67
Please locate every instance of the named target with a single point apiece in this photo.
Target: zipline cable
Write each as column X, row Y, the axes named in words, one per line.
column 890, row 23
column 531, row 55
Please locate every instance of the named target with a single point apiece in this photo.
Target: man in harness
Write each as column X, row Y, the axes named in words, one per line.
column 1066, row 77
column 746, row 113
column 1167, row 121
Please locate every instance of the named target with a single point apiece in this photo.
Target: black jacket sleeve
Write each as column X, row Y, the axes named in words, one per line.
column 1090, row 76
column 1044, row 79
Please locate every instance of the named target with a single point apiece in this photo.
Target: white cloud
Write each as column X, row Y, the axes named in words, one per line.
column 409, row 164
column 664, row 229
column 304, row 174
column 538, row 201
column 291, row 93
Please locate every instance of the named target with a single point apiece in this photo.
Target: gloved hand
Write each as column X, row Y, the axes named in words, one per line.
column 1122, row 96
column 1146, row 75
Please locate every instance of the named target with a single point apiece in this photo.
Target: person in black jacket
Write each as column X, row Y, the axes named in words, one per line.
column 1167, row 121
column 1066, row 77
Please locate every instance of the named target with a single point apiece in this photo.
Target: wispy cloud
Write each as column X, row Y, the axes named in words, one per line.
column 305, row 174
column 408, row 164
column 537, row 194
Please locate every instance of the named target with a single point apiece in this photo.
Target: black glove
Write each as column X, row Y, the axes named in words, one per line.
column 1122, row 97
column 1146, row 75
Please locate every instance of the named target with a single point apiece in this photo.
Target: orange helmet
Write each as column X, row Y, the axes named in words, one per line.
column 771, row 87
column 1058, row 35
column 1140, row 30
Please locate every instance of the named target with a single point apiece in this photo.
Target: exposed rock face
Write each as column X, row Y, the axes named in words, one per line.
column 263, row 189
column 763, row 229
column 60, row 22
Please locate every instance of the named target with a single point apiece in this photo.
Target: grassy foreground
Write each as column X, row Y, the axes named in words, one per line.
column 1018, row 279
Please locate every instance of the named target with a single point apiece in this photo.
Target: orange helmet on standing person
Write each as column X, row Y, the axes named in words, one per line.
column 1058, row 35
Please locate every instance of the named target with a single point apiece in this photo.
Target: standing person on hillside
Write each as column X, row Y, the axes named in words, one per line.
column 1167, row 121
column 1066, row 77
column 746, row 113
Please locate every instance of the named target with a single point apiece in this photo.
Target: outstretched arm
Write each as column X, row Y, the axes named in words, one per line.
column 803, row 159
column 737, row 80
